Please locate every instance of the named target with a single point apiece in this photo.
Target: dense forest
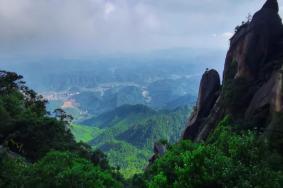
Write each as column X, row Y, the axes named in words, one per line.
column 233, row 137
column 40, row 151
column 128, row 133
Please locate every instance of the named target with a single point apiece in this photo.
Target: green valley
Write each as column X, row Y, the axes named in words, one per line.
column 128, row 133
column 117, row 94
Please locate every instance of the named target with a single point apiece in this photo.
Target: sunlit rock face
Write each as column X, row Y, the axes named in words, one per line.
column 252, row 89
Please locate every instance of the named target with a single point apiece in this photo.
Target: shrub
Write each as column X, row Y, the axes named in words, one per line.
column 228, row 160
column 64, row 169
column 11, row 171
column 56, row 169
column 25, row 126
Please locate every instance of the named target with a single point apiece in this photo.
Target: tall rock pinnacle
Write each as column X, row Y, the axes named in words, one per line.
column 271, row 4
column 251, row 92
column 208, row 93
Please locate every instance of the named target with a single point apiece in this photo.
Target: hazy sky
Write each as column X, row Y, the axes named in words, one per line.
column 78, row 28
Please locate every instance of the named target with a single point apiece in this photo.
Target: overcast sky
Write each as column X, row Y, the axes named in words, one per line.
column 78, row 28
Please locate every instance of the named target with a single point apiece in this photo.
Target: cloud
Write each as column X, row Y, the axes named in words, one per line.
column 109, row 8
column 227, row 35
column 86, row 27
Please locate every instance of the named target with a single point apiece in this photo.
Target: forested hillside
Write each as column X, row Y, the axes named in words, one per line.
column 228, row 158
column 29, row 139
column 128, row 133
column 39, row 151
column 233, row 137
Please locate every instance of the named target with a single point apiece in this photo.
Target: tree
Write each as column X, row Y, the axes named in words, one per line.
column 228, row 159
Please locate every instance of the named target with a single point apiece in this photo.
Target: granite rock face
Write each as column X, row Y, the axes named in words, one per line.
column 208, row 93
column 271, row 4
column 255, row 43
column 252, row 88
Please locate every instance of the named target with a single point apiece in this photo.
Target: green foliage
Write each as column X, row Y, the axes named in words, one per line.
column 99, row 158
column 160, row 180
column 123, row 155
column 11, row 171
column 164, row 142
column 28, row 133
column 85, row 133
column 111, row 118
column 275, row 132
column 152, row 128
column 142, row 130
column 25, row 126
column 57, row 169
column 130, row 132
column 68, row 170
column 228, row 160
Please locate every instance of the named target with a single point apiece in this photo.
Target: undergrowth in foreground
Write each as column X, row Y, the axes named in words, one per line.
column 228, row 159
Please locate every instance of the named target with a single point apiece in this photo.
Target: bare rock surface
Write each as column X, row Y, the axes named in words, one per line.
column 208, row 94
column 252, row 75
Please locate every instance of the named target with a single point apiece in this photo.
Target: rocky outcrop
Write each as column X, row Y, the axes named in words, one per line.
column 266, row 95
column 255, row 44
column 252, row 80
column 159, row 150
column 208, row 93
column 271, row 4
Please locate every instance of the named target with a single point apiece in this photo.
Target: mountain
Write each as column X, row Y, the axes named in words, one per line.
column 96, row 103
column 251, row 92
column 232, row 139
column 37, row 150
column 83, row 103
column 128, row 133
column 234, row 135
column 91, row 86
column 180, row 101
column 109, row 119
column 62, row 74
column 164, row 92
column 139, row 125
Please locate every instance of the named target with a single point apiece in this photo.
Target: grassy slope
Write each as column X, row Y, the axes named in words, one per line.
column 85, row 133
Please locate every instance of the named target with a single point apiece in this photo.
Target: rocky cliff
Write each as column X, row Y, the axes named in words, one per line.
column 252, row 89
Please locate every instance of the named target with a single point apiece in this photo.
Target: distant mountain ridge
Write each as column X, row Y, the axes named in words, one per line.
column 108, row 119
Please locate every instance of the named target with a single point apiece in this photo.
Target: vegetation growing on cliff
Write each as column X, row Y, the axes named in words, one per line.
column 227, row 159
